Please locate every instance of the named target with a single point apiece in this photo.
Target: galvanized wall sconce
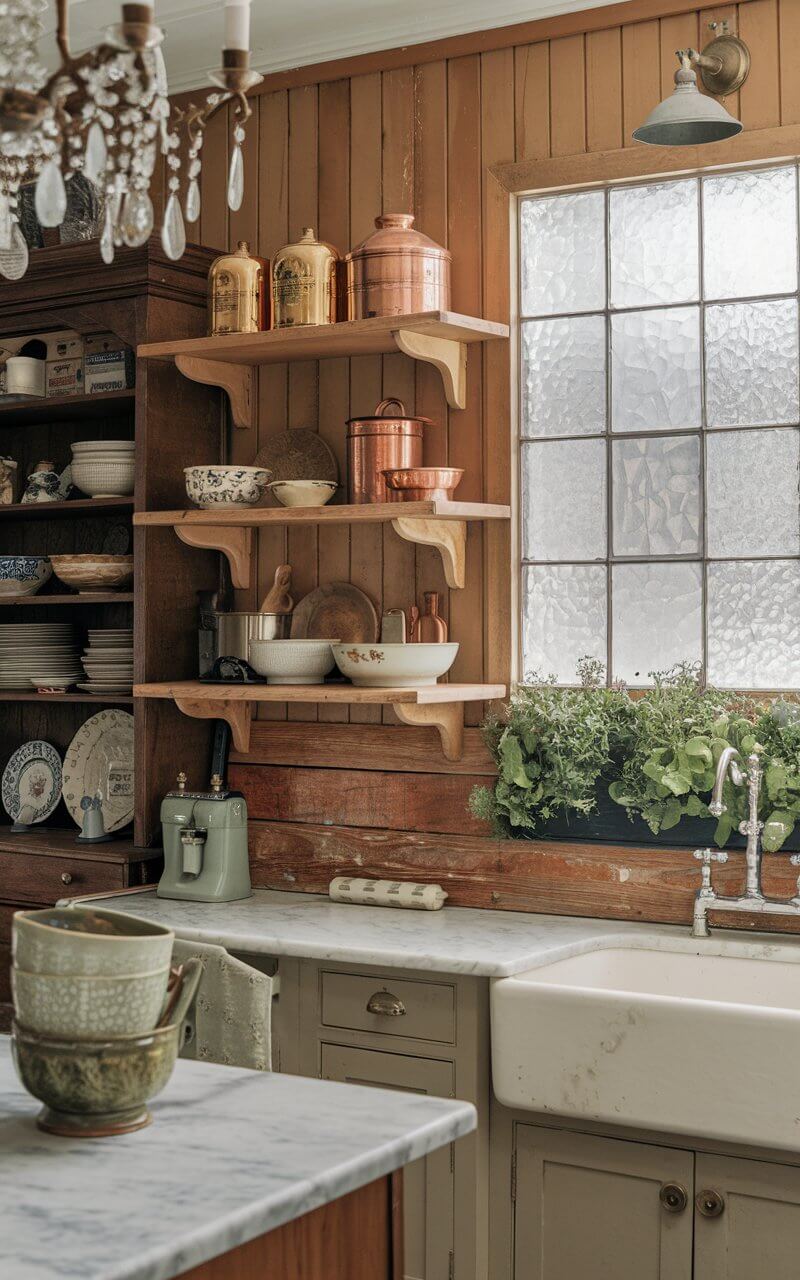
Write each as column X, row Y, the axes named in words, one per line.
column 688, row 117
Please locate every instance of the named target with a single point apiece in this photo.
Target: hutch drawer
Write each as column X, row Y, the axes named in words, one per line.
column 388, row 1007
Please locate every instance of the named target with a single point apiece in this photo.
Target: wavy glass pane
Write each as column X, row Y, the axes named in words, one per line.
column 655, row 370
column 754, row 624
column 657, row 618
column 564, row 619
column 563, row 253
column 564, row 376
column 751, row 364
column 656, row 496
column 752, row 480
column 654, row 244
column 750, row 233
column 564, row 500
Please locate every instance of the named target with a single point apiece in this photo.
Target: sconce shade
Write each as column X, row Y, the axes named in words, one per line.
column 687, row 117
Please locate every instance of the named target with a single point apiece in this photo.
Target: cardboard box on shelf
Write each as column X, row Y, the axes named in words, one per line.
column 108, row 364
column 65, row 377
column 66, row 344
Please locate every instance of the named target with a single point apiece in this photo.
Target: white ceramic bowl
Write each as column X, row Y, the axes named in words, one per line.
column 93, row 572
column 88, row 941
column 226, row 486
column 59, row 1004
column 394, row 666
column 81, row 447
column 104, row 479
column 303, row 493
column 23, row 575
column 292, row 661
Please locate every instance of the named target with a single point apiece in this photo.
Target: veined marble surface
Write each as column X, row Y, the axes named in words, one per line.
column 231, row 1154
column 493, row 944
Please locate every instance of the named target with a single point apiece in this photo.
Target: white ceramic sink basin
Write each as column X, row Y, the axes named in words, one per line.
column 696, row 1038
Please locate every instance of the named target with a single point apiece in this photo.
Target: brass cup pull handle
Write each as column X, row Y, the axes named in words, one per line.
column 66, row 877
column 674, row 1198
column 385, row 1005
column 710, row 1203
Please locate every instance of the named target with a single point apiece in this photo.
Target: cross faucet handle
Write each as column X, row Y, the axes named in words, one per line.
column 707, row 856
column 795, row 859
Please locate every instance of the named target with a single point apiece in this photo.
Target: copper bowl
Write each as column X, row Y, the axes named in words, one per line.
column 420, row 484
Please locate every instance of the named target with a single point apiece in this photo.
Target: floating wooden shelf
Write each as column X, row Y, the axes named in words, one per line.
column 438, row 705
column 439, row 338
column 96, row 597
column 20, row 695
column 433, row 523
column 104, row 404
column 72, row 509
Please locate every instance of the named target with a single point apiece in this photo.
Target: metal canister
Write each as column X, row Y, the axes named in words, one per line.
column 378, row 443
column 238, row 300
column 397, row 271
column 304, row 283
column 236, row 630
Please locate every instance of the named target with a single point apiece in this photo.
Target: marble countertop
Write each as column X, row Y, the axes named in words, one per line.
column 231, row 1154
column 492, row 944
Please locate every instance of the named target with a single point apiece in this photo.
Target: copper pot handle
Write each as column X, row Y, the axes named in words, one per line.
column 380, row 410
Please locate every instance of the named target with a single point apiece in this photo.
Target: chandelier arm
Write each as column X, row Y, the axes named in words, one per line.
column 62, row 31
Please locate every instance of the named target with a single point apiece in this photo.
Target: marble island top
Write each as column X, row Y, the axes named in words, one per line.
column 231, row 1154
column 493, row 944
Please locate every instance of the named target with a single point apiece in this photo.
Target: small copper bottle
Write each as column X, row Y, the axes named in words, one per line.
column 237, row 292
column 428, row 627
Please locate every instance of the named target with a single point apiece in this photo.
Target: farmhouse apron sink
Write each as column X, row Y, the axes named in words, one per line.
column 683, row 1036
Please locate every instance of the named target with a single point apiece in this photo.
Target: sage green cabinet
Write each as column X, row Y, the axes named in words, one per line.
column 757, row 1232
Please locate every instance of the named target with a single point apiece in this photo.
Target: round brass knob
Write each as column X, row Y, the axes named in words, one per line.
column 710, row 1203
column 385, row 1005
column 673, row 1197
column 66, row 877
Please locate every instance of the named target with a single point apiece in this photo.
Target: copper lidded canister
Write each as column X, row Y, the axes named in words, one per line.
column 397, row 271
column 238, row 295
column 378, row 443
column 304, row 283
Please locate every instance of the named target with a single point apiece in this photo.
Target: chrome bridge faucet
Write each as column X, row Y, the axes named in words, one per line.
column 753, row 900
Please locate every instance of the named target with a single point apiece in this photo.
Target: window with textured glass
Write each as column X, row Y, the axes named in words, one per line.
column 660, row 429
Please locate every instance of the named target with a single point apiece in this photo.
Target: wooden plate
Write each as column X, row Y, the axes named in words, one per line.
column 298, row 455
column 336, row 610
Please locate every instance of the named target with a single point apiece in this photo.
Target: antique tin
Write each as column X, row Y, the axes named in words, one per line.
column 304, row 283
column 397, row 271
column 380, row 443
column 236, row 630
column 237, row 293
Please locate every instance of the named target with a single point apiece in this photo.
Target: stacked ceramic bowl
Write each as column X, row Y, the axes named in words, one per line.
column 108, row 661
column 42, row 654
column 97, row 1009
column 104, row 468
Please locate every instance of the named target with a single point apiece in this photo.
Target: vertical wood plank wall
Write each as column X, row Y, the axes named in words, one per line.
column 416, row 130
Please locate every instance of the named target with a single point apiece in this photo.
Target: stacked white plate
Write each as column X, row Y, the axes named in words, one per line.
column 44, row 655
column 108, row 661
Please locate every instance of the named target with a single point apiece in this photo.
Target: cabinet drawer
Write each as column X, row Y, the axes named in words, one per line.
column 26, row 877
column 359, row 1002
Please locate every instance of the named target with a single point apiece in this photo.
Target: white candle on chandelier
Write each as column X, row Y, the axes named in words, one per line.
column 237, row 24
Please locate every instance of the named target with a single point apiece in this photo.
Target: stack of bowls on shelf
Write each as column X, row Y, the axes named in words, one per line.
column 98, row 1015
column 104, row 468
column 108, row 661
column 42, row 654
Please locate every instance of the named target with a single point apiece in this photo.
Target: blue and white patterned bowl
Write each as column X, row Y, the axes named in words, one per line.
column 23, row 575
column 211, row 488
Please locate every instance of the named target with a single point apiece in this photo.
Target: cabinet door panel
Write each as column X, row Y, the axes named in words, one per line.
column 758, row 1231
column 428, row 1185
column 589, row 1207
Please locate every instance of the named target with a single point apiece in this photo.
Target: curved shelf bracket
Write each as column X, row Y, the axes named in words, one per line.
column 239, row 716
column 447, row 717
column 236, row 380
column 233, row 541
column 446, row 354
column 449, row 536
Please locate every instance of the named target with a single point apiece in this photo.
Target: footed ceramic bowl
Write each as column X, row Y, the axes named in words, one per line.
column 57, row 1004
column 394, row 666
column 23, row 575
column 292, row 661
column 88, row 942
column 105, row 476
column 303, row 493
column 226, row 486
column 93, row 572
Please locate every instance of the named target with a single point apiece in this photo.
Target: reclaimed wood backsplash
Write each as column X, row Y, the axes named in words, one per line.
column 419, row 129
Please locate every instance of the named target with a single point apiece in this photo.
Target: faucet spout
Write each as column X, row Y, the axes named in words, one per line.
column 727, row 763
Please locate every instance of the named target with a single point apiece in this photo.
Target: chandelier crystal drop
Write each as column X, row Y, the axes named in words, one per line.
column 106, row 115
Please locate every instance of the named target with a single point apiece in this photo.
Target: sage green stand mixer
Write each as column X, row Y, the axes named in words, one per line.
column 205, row 844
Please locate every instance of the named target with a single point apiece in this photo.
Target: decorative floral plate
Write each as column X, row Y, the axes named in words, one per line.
column 31, row 784
column 99, row 760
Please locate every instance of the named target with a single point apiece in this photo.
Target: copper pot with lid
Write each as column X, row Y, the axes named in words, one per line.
column 378, row 443
column 397, row 271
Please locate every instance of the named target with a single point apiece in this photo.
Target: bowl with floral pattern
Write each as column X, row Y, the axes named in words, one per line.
column 218, row 487
column 394, row 666
column 23, row 575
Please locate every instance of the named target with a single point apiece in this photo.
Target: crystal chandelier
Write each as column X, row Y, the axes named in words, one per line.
column 106, row 114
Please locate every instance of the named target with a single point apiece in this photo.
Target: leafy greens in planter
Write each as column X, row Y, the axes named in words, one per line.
column 656, row 754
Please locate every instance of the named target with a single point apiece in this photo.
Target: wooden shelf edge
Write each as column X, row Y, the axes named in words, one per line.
column 98, row 597
column 339, row 513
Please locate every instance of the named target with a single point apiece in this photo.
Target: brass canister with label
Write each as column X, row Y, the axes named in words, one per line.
column 237, row 292
column 304, row 283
